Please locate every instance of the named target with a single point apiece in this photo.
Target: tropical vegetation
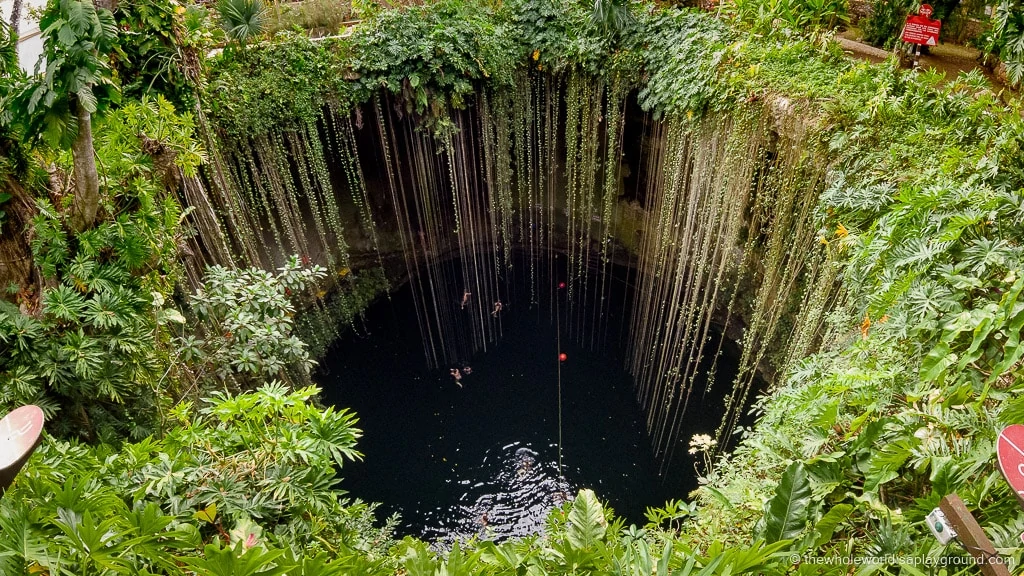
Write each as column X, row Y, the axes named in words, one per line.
column 184, row 436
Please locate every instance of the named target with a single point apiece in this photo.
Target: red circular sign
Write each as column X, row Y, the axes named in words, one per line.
column 19, row 434
column 1010, row 450
column 925, row 10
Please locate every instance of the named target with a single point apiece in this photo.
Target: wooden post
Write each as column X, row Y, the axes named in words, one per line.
column 973, row 537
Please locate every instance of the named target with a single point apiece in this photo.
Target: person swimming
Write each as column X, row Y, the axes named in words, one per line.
column 497, row 308
column 465, row 297
column 457, row 375
column 525, row 461
column 467, row 370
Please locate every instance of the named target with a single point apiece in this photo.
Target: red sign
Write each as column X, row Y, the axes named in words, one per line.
column 921, row 29
column 1010, row 450
column 925, row 10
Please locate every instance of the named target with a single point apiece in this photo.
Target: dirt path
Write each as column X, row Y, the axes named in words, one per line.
column 950, row 59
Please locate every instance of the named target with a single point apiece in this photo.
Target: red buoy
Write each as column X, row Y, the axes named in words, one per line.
column 563, row 357
column 561, row 285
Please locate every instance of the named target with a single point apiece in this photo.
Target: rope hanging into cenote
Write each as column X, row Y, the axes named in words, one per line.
column 720, row 220
column 558, row 360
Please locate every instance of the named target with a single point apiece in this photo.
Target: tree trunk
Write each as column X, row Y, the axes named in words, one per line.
column 16, row 17
column 17, row 268
column 87, row 181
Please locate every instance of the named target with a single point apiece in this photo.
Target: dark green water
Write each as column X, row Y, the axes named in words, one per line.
column 483, row 459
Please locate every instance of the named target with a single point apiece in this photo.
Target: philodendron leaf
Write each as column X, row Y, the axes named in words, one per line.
column 826, row 527
column 786, row 513
column 587, row 524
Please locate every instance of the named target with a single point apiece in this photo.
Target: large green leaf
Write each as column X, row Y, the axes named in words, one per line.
column 587, row 524
column 885, row 464
column 786, row 513
column 826, row 527
column 236, row 561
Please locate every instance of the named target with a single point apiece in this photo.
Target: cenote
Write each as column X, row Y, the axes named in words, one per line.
column 653, row 250
column 480, row 458
column 242, row 262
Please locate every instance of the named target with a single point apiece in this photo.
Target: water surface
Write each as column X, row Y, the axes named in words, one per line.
column 483, row 459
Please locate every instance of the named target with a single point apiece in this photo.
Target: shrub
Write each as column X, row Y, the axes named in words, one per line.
column 245, row 323
column 883, row 26
column 1006, row 38
column 792, row 15
column 242, row 19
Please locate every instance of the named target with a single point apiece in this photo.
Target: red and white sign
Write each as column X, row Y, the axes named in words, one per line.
column 921, row 29
column 1010, row 451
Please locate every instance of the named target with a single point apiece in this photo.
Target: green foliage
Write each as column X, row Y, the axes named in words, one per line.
column 883, row 26
column 8, row 50
column 159, row 49
column 433, row 56
column 91, row 345
column 246, row 484
column 244, row 329
column 283, row 82
column 586, row 524
column 242, row 20
column 557, row 35
column 613, row 17
column 786, row 513
column 684, row 54
column 76, row 38
column 579, row 539
column 148, row 137
column 13, row 156
column 94, row 338
column 920, row 361
column 791, row 17
column 1006, row 38
column 318, row 17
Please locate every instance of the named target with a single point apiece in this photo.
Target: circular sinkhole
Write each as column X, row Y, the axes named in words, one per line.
column 480, row 457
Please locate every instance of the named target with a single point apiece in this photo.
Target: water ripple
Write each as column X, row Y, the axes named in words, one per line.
column 508, row 495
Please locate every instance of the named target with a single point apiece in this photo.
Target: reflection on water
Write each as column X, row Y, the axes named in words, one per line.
column 480, row 459
column 508, row 495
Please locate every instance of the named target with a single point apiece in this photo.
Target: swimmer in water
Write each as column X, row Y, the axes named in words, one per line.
column 497, row 308
column 457, row 376
column 525, row 466
column 467, row 370
column 465, row 297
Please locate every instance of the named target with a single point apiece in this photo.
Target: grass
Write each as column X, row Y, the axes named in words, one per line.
column 318, row 17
